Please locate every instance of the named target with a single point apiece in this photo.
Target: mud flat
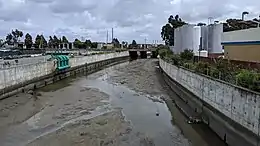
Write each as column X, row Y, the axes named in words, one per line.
column 116, row 106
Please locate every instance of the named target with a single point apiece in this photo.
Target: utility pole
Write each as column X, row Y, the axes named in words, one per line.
column 145, row 43
column 259, row 21
column 107, row 36
column 243, row 15
column 112, row 34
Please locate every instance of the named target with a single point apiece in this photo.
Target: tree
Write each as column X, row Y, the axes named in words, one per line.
column 2, row 42
column 77, row 43
column 238, row 24
column 28, row 41
column 64, row 40
column 167, row 32
column 94, row 45
column 201, row 24
column 116, row 43
column 56, row 42
column 134, row 44
column 16, row 35
column 88, row 44
column 9, row 39
column 124, row 43
column 43, row 43
column 13, row 37
column 50, row 42
column 37, row 41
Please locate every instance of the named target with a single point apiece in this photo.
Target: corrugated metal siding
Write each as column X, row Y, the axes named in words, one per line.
column 246, row 35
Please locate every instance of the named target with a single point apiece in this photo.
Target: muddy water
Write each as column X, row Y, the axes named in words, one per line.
column 115, row 106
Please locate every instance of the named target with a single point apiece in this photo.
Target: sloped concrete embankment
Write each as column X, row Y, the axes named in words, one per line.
column 28, row 77
column 230, row 111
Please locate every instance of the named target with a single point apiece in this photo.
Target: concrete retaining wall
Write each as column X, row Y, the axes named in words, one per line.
column 95, row 58
column 12, row 79
column 232, row 112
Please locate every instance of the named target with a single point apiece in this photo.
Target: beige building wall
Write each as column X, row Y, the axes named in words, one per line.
column 242, row 52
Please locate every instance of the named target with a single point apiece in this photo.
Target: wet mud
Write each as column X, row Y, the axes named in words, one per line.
column 123, row 105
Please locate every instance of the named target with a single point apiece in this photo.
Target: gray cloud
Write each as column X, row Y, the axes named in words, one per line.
column 131, row 19
column 41, row 1
column 13, row 15
column 70, row 6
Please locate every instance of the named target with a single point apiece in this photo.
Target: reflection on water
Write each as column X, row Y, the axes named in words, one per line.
column 140, row 110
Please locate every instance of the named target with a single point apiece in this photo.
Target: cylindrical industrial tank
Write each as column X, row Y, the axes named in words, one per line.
column 210, row 38
column 204, row 37
column 187, row 39
column 176, row 40
column 217, row 34
column 196, row 38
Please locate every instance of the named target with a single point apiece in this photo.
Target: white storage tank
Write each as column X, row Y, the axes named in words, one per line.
column 210, row 38
column 187, row 37
column 204, row 37
column 187, row 40
column 177, row 40
column 217, row 34
column 196, row 38
column 214, row 38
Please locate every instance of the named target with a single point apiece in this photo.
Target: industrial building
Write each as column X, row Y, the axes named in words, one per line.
column 207, row 38
column 243, row 45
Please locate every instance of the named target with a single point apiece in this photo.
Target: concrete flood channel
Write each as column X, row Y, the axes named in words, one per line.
column 116, row 106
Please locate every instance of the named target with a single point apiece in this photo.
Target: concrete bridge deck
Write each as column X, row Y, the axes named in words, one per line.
column 140, row 49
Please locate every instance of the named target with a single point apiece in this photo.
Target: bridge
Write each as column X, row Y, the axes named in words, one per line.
column 140, row 49
column 143, row 53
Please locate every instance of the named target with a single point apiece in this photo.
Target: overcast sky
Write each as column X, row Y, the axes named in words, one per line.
column 131, row 19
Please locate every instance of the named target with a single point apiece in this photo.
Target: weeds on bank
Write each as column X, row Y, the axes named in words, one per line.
column 221, row 69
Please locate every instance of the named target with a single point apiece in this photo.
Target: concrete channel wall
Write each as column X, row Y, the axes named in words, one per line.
column 14, row 79
column 231, row 111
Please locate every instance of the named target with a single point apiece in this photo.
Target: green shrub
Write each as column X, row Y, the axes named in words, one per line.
column 164, row 51
column 214, row 72
column 249, row 79
column 220, row 69
column 202, row 67
column 189, row 65
column 187, row 54
column 176, row 59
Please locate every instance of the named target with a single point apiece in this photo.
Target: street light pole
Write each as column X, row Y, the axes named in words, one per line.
column 243, row 15
column 259, row 21
column 145, row 43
